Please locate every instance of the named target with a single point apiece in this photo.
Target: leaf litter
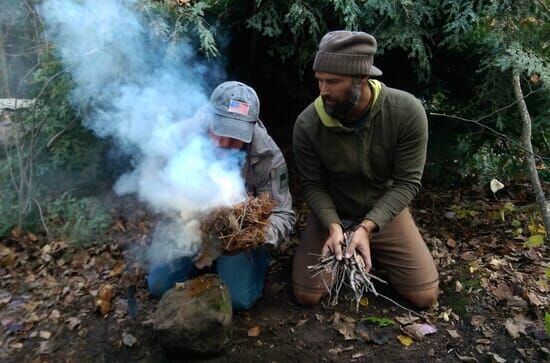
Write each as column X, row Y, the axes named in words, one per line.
column 47, row 285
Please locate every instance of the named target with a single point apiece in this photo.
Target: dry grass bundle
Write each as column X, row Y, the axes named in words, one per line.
column 239, row 228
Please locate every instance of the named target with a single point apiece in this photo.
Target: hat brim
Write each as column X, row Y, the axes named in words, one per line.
column 375, row 71
column 233, row 128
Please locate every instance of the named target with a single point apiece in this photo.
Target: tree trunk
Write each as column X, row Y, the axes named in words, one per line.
column 4, row 80
column 530, row 158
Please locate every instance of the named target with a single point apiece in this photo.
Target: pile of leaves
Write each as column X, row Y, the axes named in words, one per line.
column 239, row 228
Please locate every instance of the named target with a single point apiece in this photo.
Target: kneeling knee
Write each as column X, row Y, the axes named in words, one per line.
column 307, row 298
column 424, row 298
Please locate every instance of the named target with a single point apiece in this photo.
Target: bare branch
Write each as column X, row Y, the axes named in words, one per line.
column 492, row 130
column 48, row 234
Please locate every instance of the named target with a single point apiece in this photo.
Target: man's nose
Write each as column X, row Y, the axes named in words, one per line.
column 323, row 89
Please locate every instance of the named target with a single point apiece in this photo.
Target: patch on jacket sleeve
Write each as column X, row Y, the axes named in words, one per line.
column 281, row 178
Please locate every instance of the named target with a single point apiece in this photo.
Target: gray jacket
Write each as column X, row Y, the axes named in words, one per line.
column 265, row 171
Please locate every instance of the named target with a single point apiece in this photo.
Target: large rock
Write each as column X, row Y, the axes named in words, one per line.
column 195, row 316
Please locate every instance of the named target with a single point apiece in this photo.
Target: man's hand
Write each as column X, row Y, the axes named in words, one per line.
column 271, row 236
column 334, row 241
column 360, row 241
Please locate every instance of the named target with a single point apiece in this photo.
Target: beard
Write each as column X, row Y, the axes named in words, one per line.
column 341, row 109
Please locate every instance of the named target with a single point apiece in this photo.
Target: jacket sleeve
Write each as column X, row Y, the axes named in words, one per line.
column 312, row 176
column 408, row 166
column 275, row 182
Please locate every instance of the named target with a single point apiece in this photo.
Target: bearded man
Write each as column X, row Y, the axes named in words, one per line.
column 360, row 149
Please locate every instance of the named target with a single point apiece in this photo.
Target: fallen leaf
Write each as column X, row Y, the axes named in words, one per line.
column 45, row 348
column 515, row 327
column 502, row 291
column 495, row 358
column 8, row 257
column 364, row 302
column 254, row 331
column 483, row 341
column 83, row 333
column 495, row 185
column 73, row 322
column 301, row 322
column 451, row 243
column 32, row 237
column 453, row 333
column 534, row 299
column 465, row 358
column 45, row 334
column 406, row 319
column 450, row 215
column 118, row 269
column 458, row 286
column 405, row 340
column 16, row 233
column 358, row 355
column 128, row 339
column 339, row 349
column 344, row 325
column 105, row 295
column 362, row 331
column 55, row 315
column 534, row 241
column 418, row 331
column 487, row 331
column 477, row 321
column 469, row 256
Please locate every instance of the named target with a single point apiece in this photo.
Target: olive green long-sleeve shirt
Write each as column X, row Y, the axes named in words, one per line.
column 371, row 172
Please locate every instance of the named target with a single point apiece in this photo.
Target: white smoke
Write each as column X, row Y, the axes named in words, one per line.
column 149, row 96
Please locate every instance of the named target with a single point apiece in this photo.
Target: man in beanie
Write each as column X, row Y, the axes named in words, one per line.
column 233, row 118
column 360, row 149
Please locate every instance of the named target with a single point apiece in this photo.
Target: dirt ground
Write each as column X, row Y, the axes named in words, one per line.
column 494, row 297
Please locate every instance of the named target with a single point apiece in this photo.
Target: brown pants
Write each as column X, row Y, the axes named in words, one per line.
column 398, row 249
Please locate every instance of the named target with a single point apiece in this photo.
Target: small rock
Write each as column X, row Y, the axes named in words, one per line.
column 128, row 339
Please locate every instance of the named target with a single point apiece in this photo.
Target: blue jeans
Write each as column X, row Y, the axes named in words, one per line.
column 243, row 274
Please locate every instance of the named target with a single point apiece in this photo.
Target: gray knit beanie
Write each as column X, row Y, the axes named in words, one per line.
column 347, row 52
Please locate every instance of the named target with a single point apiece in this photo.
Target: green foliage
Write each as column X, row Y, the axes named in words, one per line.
column 547, row 323
column 379, row 321
column 81, row 221
column 8, row 200
column 490, row 162
column 175, row 23
column 534, row 241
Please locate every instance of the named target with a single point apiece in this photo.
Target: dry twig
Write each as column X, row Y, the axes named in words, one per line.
column 349, row 272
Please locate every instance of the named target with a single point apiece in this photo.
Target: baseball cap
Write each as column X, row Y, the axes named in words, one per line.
column 236, row 108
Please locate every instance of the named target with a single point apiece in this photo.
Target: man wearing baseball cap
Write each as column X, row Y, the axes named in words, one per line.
column 233, row 116
column 360, row 149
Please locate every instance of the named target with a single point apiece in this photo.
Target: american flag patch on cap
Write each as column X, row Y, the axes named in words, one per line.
column 238, row 107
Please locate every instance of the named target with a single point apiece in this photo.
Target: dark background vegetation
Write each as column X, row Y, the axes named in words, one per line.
column 458, row 57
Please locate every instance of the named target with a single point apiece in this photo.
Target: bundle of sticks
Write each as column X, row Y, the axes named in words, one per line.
column 241, row 227
column 349, row 272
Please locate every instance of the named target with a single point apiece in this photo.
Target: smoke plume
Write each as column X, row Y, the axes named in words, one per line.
column 148, row 94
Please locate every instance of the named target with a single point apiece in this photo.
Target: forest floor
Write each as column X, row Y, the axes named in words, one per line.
column 494, row 283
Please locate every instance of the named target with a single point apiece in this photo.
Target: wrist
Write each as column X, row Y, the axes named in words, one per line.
column 335, row 228
column 368, row 226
